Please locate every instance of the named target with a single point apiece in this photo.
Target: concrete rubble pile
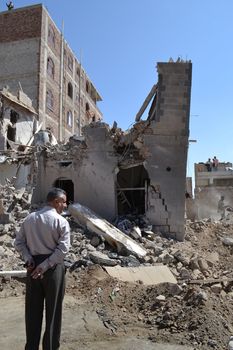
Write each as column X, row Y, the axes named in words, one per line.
column 202, row 265
column 77, row 145
column 184, row 259
column 14, row 207
column 197, row 310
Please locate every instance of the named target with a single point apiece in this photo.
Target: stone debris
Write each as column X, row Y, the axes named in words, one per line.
column 227, row 241
column 113, row 236
column 230, row 344
column 102, row 259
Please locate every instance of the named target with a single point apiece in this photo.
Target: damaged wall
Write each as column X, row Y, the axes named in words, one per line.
column 168, row 144
column 17, row 120
column 210, row 186
column 10, row 170
column 154, row 151
column 17, row 125
column 91, row 171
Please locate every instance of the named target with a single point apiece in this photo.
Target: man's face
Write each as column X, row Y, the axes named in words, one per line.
column 60, row 203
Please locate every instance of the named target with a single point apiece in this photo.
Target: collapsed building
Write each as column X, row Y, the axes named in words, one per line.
column 138, row 172
column 114, row 173
column 18, row 123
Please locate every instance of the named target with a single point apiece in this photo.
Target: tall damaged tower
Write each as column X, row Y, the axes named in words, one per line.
column 168, row 143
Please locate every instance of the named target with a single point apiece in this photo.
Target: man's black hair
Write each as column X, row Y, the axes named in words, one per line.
column 55, row 193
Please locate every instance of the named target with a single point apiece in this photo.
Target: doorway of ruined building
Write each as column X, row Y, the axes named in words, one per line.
column 68, row 186
column 131, row 190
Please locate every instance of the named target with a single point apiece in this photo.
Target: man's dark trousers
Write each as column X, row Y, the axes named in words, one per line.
column 49, row 291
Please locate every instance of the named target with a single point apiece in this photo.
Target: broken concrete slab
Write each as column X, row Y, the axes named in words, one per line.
column 102, row 259
column 146, row 102
column 149, row 275
column 112, row 235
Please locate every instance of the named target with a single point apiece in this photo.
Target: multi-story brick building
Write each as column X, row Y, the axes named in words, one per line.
column 35, row 57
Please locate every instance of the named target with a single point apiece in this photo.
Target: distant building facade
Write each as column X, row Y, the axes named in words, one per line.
column 210, row 186
column 35, row 57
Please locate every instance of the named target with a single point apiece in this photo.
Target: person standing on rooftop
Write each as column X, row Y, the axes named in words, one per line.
column 215, row 163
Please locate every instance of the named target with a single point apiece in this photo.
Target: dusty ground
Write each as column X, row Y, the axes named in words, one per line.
column 100, row 310
column 82, row 329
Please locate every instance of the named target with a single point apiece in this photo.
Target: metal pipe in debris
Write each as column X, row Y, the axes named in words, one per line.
column 20, row 273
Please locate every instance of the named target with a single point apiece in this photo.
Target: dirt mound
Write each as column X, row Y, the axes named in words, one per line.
column 196, row 312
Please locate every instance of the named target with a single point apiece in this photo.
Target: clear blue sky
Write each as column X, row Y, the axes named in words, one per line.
column 122, row 40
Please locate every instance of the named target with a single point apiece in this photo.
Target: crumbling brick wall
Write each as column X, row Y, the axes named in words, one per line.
column 20, row 24
column 168, row 144
column 20, row 32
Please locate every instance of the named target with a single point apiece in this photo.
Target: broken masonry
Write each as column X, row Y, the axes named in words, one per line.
column 140, row 172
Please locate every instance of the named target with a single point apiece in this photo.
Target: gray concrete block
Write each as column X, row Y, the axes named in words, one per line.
column 5, row 218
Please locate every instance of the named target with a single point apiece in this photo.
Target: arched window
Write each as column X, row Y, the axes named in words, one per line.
column 69, row 118
column 70, row 63
column 49, row 100
column 87, row 86
column 70, row 90
column 50, row 67
column 51, row 36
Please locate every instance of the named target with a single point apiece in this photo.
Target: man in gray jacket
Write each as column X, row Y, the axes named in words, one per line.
column 43, row 241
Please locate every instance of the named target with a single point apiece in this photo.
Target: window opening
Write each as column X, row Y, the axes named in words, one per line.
column 70, row 63
column 50, row 67
column 14, row 117
column 87, row 86
column 65, row 163
column 69, row 119
column 70, row 90
column 51, row 36
column 68, row 186
column 49, row 100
